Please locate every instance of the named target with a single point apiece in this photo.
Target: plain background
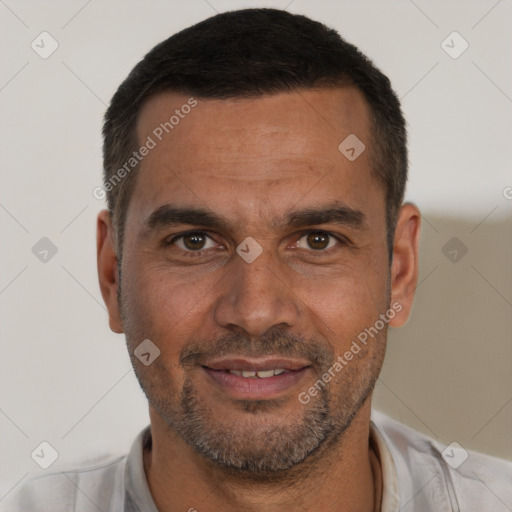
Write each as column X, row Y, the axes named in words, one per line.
column 66, row 379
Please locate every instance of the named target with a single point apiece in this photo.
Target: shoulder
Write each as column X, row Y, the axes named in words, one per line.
column 431, row 472
column 98, row 486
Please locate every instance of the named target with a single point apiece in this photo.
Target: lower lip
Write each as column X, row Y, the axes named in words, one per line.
column 250, row 388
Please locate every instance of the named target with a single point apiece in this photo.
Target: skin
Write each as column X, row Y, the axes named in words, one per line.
column 252, row 161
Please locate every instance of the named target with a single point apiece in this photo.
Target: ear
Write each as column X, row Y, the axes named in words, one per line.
column 108, row 269
column 404, row 269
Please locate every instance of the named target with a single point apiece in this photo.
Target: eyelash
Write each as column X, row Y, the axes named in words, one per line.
column 341, row 240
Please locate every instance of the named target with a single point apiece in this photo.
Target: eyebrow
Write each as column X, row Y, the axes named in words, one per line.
column 335, row 213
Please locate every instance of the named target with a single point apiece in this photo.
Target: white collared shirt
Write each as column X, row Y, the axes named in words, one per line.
column 416, row 477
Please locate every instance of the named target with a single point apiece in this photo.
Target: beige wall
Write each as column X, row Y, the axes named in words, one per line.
column 448, row 370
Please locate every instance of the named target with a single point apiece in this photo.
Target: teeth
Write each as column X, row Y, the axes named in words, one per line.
column 262, row 374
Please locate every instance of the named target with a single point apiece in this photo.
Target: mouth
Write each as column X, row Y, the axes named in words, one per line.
column 256, row 378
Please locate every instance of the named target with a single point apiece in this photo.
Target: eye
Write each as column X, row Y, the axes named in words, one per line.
column 193, row 241
column 318, row 241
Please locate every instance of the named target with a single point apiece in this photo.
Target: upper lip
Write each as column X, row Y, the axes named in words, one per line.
column 256, row 363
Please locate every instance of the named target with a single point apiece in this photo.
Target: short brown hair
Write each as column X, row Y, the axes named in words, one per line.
column 251, row 53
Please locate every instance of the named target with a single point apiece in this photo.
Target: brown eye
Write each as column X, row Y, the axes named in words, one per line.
column 317, row 240
column 194, row 241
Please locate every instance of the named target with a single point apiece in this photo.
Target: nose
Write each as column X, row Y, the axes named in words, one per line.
column 256, row 297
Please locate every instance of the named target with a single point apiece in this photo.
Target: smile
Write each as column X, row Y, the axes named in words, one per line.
column 256, row 378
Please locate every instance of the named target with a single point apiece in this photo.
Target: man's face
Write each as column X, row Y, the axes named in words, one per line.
column 213, row 312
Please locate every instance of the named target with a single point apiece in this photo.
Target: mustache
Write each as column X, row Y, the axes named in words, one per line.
column 274, row 343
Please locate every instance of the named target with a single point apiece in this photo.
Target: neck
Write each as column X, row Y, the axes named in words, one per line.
column 341, row 475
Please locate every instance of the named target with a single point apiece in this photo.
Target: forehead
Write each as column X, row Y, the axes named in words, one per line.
column 253, row 156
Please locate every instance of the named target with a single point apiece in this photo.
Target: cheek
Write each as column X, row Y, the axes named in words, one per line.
column 160, row 292
column 163, row 306
column 343, row 307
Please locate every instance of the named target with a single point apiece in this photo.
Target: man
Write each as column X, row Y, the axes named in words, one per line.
column 255, row 250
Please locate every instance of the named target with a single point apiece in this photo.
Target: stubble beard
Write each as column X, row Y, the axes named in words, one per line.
column 262, row 449
column 255, row 447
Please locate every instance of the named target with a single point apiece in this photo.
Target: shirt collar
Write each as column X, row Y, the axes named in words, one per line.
column 135, row 482
column 390, row 490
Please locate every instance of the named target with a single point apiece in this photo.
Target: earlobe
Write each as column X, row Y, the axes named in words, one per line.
column 404, row 269
column 108, row 269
